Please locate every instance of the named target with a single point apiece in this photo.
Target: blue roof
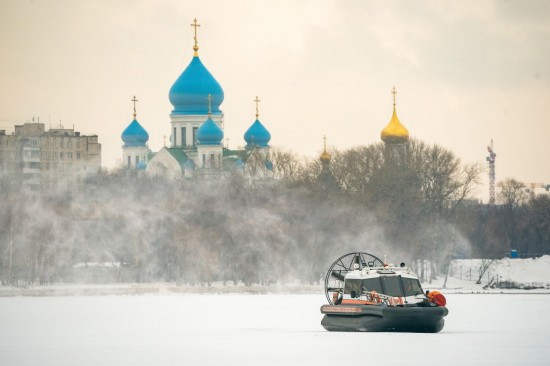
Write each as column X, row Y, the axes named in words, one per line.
column 134, row 135
column 189, row 93
column 209, row 133
column 141, row 165
column 257, row 135
column 189, row 164
column 239, row 164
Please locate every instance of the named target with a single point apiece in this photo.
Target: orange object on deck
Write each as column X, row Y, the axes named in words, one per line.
column 437, row 298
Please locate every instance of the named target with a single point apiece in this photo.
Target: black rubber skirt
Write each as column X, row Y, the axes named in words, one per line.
column 381, row 318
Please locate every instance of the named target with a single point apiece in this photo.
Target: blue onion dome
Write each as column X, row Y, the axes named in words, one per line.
column 189, row 165
column 189, row 93
column 257, row 135
column 141, row 165
column 135, row 135
column 209, row 133
column 239, row 164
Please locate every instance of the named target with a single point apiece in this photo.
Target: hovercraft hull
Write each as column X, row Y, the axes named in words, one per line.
column 382, row 318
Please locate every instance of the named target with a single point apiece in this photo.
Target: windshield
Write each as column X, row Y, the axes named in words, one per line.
column 411, row 286
column 388, row 285
column 392, row 286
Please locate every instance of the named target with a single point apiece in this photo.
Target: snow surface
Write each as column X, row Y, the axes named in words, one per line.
column 273, row 329
column 525, row 271
column 164, row 324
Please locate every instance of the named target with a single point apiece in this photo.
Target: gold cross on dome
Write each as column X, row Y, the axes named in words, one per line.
column 195, row 25
column 134, row 100
column 257, row 100
column 394, row 92
column 325, row 142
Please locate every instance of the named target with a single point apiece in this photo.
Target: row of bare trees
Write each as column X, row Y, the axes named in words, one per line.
column 261, row 228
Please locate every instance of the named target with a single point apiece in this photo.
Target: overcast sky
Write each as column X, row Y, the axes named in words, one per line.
column 466, row 72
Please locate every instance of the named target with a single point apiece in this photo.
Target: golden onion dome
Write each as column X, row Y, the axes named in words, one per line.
column 394, row 132
column 325, row 156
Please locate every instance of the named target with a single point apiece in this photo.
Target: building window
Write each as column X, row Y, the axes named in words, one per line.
column 129, row 162
column 195, row 129
column 137, row 161
column 77, row 156
column 60, row 156
column 183, row 137
column 70, row 155
column 174, row 139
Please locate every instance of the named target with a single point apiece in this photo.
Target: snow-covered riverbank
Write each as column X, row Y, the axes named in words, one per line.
column 533, row 274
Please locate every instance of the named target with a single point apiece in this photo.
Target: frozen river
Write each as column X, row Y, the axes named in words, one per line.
column 260, row 330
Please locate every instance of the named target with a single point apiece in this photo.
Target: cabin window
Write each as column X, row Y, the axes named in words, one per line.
column 411, row 286
column 372, row 284
column 391, row 285
column 353, row 287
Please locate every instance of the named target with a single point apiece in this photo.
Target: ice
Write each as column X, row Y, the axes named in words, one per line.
column 273, row 329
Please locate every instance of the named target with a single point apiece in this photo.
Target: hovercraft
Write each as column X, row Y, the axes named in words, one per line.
column 366, row 295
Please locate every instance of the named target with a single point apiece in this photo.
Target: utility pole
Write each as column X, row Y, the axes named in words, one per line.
column 491, row 160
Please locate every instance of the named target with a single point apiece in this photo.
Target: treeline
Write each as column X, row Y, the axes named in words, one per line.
column 410, row 205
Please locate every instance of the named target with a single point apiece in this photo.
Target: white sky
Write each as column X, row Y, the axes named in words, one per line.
column 466, row 72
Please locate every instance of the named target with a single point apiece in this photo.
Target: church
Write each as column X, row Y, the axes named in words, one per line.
column 197, row 131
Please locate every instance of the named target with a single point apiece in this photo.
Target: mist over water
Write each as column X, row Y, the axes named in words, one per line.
column 125, row 228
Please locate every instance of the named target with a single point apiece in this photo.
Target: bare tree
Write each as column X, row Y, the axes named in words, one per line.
column 286, row 164
column 485, row 264
column 512, row 193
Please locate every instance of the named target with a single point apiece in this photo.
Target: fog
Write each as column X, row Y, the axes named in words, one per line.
column 123, row 228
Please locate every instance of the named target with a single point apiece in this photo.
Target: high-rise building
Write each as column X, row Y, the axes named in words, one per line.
column 39, row 160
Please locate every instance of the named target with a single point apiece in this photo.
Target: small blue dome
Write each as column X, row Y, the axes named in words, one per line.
column 135, row 135
column 141, row 165
column 257, row 135
column 209, row 133
column 239, row 164
column 189, row 94
column 189, row 165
